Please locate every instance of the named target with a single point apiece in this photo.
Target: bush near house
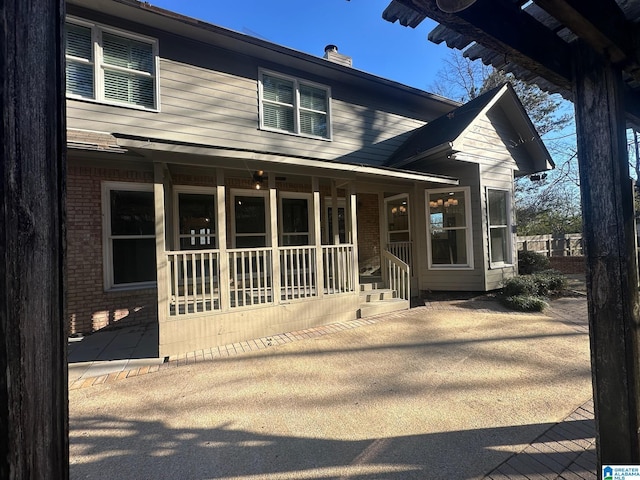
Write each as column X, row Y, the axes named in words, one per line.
column 528, row 293
column 532, row 262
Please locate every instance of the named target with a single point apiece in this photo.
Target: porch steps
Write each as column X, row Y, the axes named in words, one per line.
column 375, row 300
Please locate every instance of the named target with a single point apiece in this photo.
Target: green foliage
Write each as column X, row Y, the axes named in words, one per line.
column 525, row 303
column 532, row 262
column 522, row 285
column 549, row 282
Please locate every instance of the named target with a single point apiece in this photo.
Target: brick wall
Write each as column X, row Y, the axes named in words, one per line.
column 89, row 307
column 568, row 264
column 368, row 231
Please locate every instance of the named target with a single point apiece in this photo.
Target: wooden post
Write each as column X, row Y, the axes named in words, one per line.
column 607, row 205
column 221, row 232
column 275, row 250
column 353, row 227
column 161, row 257
column 33, row 370
column 317, row 240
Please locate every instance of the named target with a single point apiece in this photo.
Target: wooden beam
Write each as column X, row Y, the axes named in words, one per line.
column 503, row 27
column 612, row 274
column 33, row 336
column 601, row 24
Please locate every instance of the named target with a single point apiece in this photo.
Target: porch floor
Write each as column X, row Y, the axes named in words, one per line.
column 564, row 450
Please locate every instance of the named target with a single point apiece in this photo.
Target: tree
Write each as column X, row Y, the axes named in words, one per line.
column 551, row 202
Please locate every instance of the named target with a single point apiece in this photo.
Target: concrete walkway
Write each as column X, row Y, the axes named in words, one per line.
column 455, row 389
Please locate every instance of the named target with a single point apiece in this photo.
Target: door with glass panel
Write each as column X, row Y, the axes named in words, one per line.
column 194, row 272
column 297, row 256
column 398, row 227
column 250, row 263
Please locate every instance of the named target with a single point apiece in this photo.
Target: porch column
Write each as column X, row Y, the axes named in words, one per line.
column 317, row 240
column 612, row 274
column 384, row 228
column 161, row 257
column 353, row 227
column 275, row 252
column 221, row 230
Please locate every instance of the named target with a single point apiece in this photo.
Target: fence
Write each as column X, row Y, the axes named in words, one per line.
column 569, row 245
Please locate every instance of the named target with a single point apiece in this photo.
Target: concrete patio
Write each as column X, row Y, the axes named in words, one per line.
column 453, row 389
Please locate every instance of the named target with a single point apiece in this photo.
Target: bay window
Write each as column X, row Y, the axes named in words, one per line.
column 449, row 237
column 499, row 227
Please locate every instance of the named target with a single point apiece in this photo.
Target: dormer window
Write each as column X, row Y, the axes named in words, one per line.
column 294, row 106
column 110, row 66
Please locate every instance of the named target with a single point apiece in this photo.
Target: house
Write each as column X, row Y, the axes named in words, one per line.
column 228, row 188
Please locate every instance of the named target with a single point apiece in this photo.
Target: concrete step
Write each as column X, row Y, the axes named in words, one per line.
column 367, row 287
column 377, row 294
column 382, row 306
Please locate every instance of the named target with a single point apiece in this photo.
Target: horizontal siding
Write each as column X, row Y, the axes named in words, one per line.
column 209, row 96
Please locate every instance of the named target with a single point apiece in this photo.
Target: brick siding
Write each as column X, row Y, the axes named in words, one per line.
column 568, row 264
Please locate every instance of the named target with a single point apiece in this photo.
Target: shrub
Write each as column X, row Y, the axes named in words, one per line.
column 532, row 262
column 523, row 285
column 525, row 303
column 549, row 282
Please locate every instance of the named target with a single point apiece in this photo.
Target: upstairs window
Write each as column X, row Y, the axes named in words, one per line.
column 110, row 66
column 294, row 106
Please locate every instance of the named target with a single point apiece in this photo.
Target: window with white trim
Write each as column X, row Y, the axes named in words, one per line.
column 129, row 235
column 295, row 229
column 110, row 66
column 195, row 209
column 499, row 227
column 449, row 236
column 295, row 106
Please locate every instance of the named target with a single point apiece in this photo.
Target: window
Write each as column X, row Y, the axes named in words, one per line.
column 196, row 214
column 110, row 66
column 499, row 227
column 328, row 220
column 250, row 226
column 449, row 229
column 129, row 235
column 294, row 219
column 294, row 106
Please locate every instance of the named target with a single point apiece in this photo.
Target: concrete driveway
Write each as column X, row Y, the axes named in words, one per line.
column 427, row 394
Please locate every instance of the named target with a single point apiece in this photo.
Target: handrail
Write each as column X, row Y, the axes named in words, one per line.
column 399, row 275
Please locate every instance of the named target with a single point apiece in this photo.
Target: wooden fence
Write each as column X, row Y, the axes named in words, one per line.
column 569, row 245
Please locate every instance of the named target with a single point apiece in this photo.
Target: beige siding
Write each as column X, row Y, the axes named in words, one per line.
column 209, row 96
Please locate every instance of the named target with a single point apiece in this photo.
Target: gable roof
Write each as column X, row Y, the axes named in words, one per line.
column 445, row 134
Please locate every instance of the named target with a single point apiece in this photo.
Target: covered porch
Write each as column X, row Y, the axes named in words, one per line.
column 245, row 254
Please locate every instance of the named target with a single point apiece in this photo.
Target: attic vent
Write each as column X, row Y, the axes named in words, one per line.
column 331, row 54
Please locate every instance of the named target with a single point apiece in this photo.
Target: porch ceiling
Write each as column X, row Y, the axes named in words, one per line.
column 202, row 155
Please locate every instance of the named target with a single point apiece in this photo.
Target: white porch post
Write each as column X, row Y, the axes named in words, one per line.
column 221, row 226
column 161, row 258
column 384, row 236
column 353, row 227
column 275, row 252
column 317, row 241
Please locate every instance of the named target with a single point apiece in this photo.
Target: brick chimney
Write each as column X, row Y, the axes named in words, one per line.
column 331, row 54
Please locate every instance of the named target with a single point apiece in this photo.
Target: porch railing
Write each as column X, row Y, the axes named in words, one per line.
column 193, row 281
column 250, row 272
column 339, row 268
column 298, row 272
column 402, row 250
column 398, row 274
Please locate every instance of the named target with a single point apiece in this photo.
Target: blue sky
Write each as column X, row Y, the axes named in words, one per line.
column 389, row 50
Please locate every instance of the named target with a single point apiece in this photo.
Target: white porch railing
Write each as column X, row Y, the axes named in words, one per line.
column 298, row 272
column 250, row 271
column 193, row 281
column 402, row 250
column 398, row 275
column 339, row 269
